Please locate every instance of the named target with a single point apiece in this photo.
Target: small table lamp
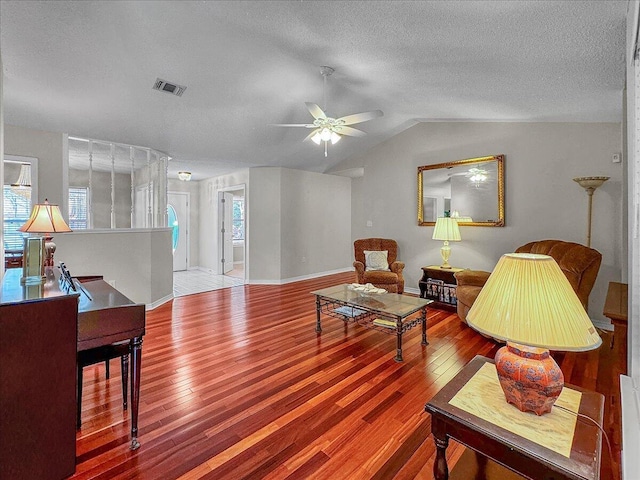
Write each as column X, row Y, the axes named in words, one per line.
column 529, row 302
column 38, row 251
column 446, row 229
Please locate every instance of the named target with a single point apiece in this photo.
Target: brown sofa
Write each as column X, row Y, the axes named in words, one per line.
column 391, row 280
column 580, row 265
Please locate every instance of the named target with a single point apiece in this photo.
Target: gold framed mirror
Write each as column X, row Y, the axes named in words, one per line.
column 471, row 190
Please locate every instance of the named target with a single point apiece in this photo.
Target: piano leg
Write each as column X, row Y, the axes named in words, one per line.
column 136, row 361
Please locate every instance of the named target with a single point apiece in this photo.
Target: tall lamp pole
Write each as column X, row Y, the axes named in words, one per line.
column 590, row 184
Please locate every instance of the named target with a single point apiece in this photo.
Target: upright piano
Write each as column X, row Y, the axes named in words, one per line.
column 42, row 327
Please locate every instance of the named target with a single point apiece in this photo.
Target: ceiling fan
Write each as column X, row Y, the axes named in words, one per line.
column 327, row 129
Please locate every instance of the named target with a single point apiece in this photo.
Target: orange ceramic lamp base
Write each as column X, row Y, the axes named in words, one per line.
column 530, row 378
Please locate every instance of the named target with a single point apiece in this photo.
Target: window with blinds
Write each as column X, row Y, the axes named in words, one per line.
column 17, row 208
column 78, row 211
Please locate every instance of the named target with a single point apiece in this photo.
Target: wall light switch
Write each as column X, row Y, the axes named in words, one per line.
column 369, row 223
column 615, row 158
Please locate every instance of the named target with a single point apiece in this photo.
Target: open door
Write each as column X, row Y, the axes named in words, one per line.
column 225, row 216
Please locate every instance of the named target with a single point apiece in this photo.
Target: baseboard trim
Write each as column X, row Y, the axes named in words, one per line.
column 284, row 281
column 602, row 324
column 157, row 303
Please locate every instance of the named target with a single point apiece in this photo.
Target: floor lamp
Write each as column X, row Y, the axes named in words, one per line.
column 590, row 184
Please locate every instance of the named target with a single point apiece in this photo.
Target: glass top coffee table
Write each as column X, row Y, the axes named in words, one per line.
column 390, row 313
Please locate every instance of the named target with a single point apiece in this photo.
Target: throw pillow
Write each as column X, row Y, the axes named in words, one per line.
column 376, row 260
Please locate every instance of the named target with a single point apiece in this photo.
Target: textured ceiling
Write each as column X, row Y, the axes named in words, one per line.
column 87, row 68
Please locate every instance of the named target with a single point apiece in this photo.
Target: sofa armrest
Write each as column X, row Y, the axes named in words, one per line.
column 397, row 267
column 476, row 278
column 359, row 266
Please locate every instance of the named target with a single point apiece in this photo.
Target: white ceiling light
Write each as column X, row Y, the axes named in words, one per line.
column 184, row 176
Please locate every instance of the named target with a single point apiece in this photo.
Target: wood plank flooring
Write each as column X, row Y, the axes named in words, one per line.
column 237, row 384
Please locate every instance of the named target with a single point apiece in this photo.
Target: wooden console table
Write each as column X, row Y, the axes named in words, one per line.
column 615, row 307
column 501, row 447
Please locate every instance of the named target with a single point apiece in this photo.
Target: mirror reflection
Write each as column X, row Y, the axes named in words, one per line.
column 471, row 190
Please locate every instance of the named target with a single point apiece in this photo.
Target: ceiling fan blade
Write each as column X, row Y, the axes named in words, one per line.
column 305, row 125
column 315, row 110
column 361, row 117
column 308, row 137
column 351, row 132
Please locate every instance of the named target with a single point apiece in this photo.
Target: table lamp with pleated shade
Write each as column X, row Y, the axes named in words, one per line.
column 529, row 303
column 38, row 251
column 446, row 229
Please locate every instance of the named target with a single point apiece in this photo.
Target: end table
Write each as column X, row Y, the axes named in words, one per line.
column 581, row 443
column 439, row 284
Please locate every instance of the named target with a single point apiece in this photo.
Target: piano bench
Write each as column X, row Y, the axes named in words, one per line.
column 103, row 354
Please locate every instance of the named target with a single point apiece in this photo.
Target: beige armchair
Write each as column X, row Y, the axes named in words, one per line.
column 579, row 263
column 388, row 276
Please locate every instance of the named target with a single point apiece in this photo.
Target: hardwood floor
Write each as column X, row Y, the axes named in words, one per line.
column 237, row 384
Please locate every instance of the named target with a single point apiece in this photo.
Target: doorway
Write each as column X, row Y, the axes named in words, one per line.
column 232, row 232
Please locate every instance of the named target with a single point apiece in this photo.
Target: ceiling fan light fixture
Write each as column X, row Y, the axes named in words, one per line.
column 335, row 138
column 316, row 138
column 325, row 134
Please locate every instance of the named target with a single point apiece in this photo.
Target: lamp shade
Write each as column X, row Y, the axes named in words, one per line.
column 446, row 229
column 528, row 300
column 45, row 218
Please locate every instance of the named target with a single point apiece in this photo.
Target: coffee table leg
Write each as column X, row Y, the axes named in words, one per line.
column 424, row 326
column 399, row 344
column 318, row 326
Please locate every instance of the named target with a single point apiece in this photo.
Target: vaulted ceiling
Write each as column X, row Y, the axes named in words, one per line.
column 87, row 69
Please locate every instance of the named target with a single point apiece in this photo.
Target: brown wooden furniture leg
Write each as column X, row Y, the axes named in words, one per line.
column 440, row 468
column 423, row 319
column 136, row 361
column 124, row 366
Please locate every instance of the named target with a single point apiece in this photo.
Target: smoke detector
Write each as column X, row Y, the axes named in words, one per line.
column 168, row 87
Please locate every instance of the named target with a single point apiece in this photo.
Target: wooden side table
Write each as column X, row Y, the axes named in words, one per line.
column 439, row 284
column 615, row 307
column 503, row 448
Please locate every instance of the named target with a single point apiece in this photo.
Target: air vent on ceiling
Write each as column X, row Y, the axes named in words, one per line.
column 169, row 87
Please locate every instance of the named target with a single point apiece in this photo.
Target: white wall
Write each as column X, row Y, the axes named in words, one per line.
column 542, row 201
column 143, row 271
column 315, row 224
column 299, row 224
column 49, row 149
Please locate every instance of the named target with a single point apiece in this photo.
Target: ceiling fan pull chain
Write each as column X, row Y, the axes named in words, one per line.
column 325, row 148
